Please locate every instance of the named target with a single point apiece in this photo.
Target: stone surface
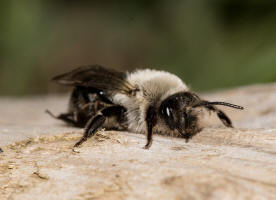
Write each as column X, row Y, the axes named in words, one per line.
column 219, row 163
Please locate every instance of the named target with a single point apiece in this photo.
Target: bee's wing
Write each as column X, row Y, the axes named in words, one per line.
column 98, row 77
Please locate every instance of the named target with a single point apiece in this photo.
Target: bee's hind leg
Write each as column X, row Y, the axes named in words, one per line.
column 97, row 121
column 66, row 117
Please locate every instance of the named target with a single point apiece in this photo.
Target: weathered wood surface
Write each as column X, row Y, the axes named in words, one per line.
column 219, row 163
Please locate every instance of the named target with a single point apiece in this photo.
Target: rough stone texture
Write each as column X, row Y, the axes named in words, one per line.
column 219, row 163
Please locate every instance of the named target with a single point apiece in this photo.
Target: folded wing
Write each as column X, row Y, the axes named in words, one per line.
column 98, row 77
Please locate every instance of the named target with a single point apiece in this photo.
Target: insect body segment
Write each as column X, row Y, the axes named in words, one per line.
column 143, row 101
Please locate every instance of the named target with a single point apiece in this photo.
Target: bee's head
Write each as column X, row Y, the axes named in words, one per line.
column 179, row 112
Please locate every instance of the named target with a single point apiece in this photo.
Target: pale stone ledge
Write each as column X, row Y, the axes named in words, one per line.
column 219, row 163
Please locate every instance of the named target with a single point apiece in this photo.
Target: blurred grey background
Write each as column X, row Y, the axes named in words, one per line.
column 209, row 44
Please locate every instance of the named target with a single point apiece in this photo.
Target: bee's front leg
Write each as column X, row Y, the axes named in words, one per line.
column 151, row 120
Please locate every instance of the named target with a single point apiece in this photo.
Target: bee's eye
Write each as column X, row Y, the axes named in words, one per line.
column 168, row 114
column 168, row 111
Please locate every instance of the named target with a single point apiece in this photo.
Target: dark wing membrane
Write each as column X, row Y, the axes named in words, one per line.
column 98, row 77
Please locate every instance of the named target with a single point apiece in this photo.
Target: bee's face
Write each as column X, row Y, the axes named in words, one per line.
column 178, row 113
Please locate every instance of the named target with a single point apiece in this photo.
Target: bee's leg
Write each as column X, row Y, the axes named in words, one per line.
column 221, row 115
column 91, row 127
column 67, row 117
column 151, row 121
column 97, row 122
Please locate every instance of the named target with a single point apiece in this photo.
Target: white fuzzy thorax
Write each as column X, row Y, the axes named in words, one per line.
column 154, row 86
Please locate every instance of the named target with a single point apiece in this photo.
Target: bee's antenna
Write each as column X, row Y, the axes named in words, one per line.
column 221, row 115
column 206, row 103
column 226, row 104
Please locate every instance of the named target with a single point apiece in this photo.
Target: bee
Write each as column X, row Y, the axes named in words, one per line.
column 144, row 101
